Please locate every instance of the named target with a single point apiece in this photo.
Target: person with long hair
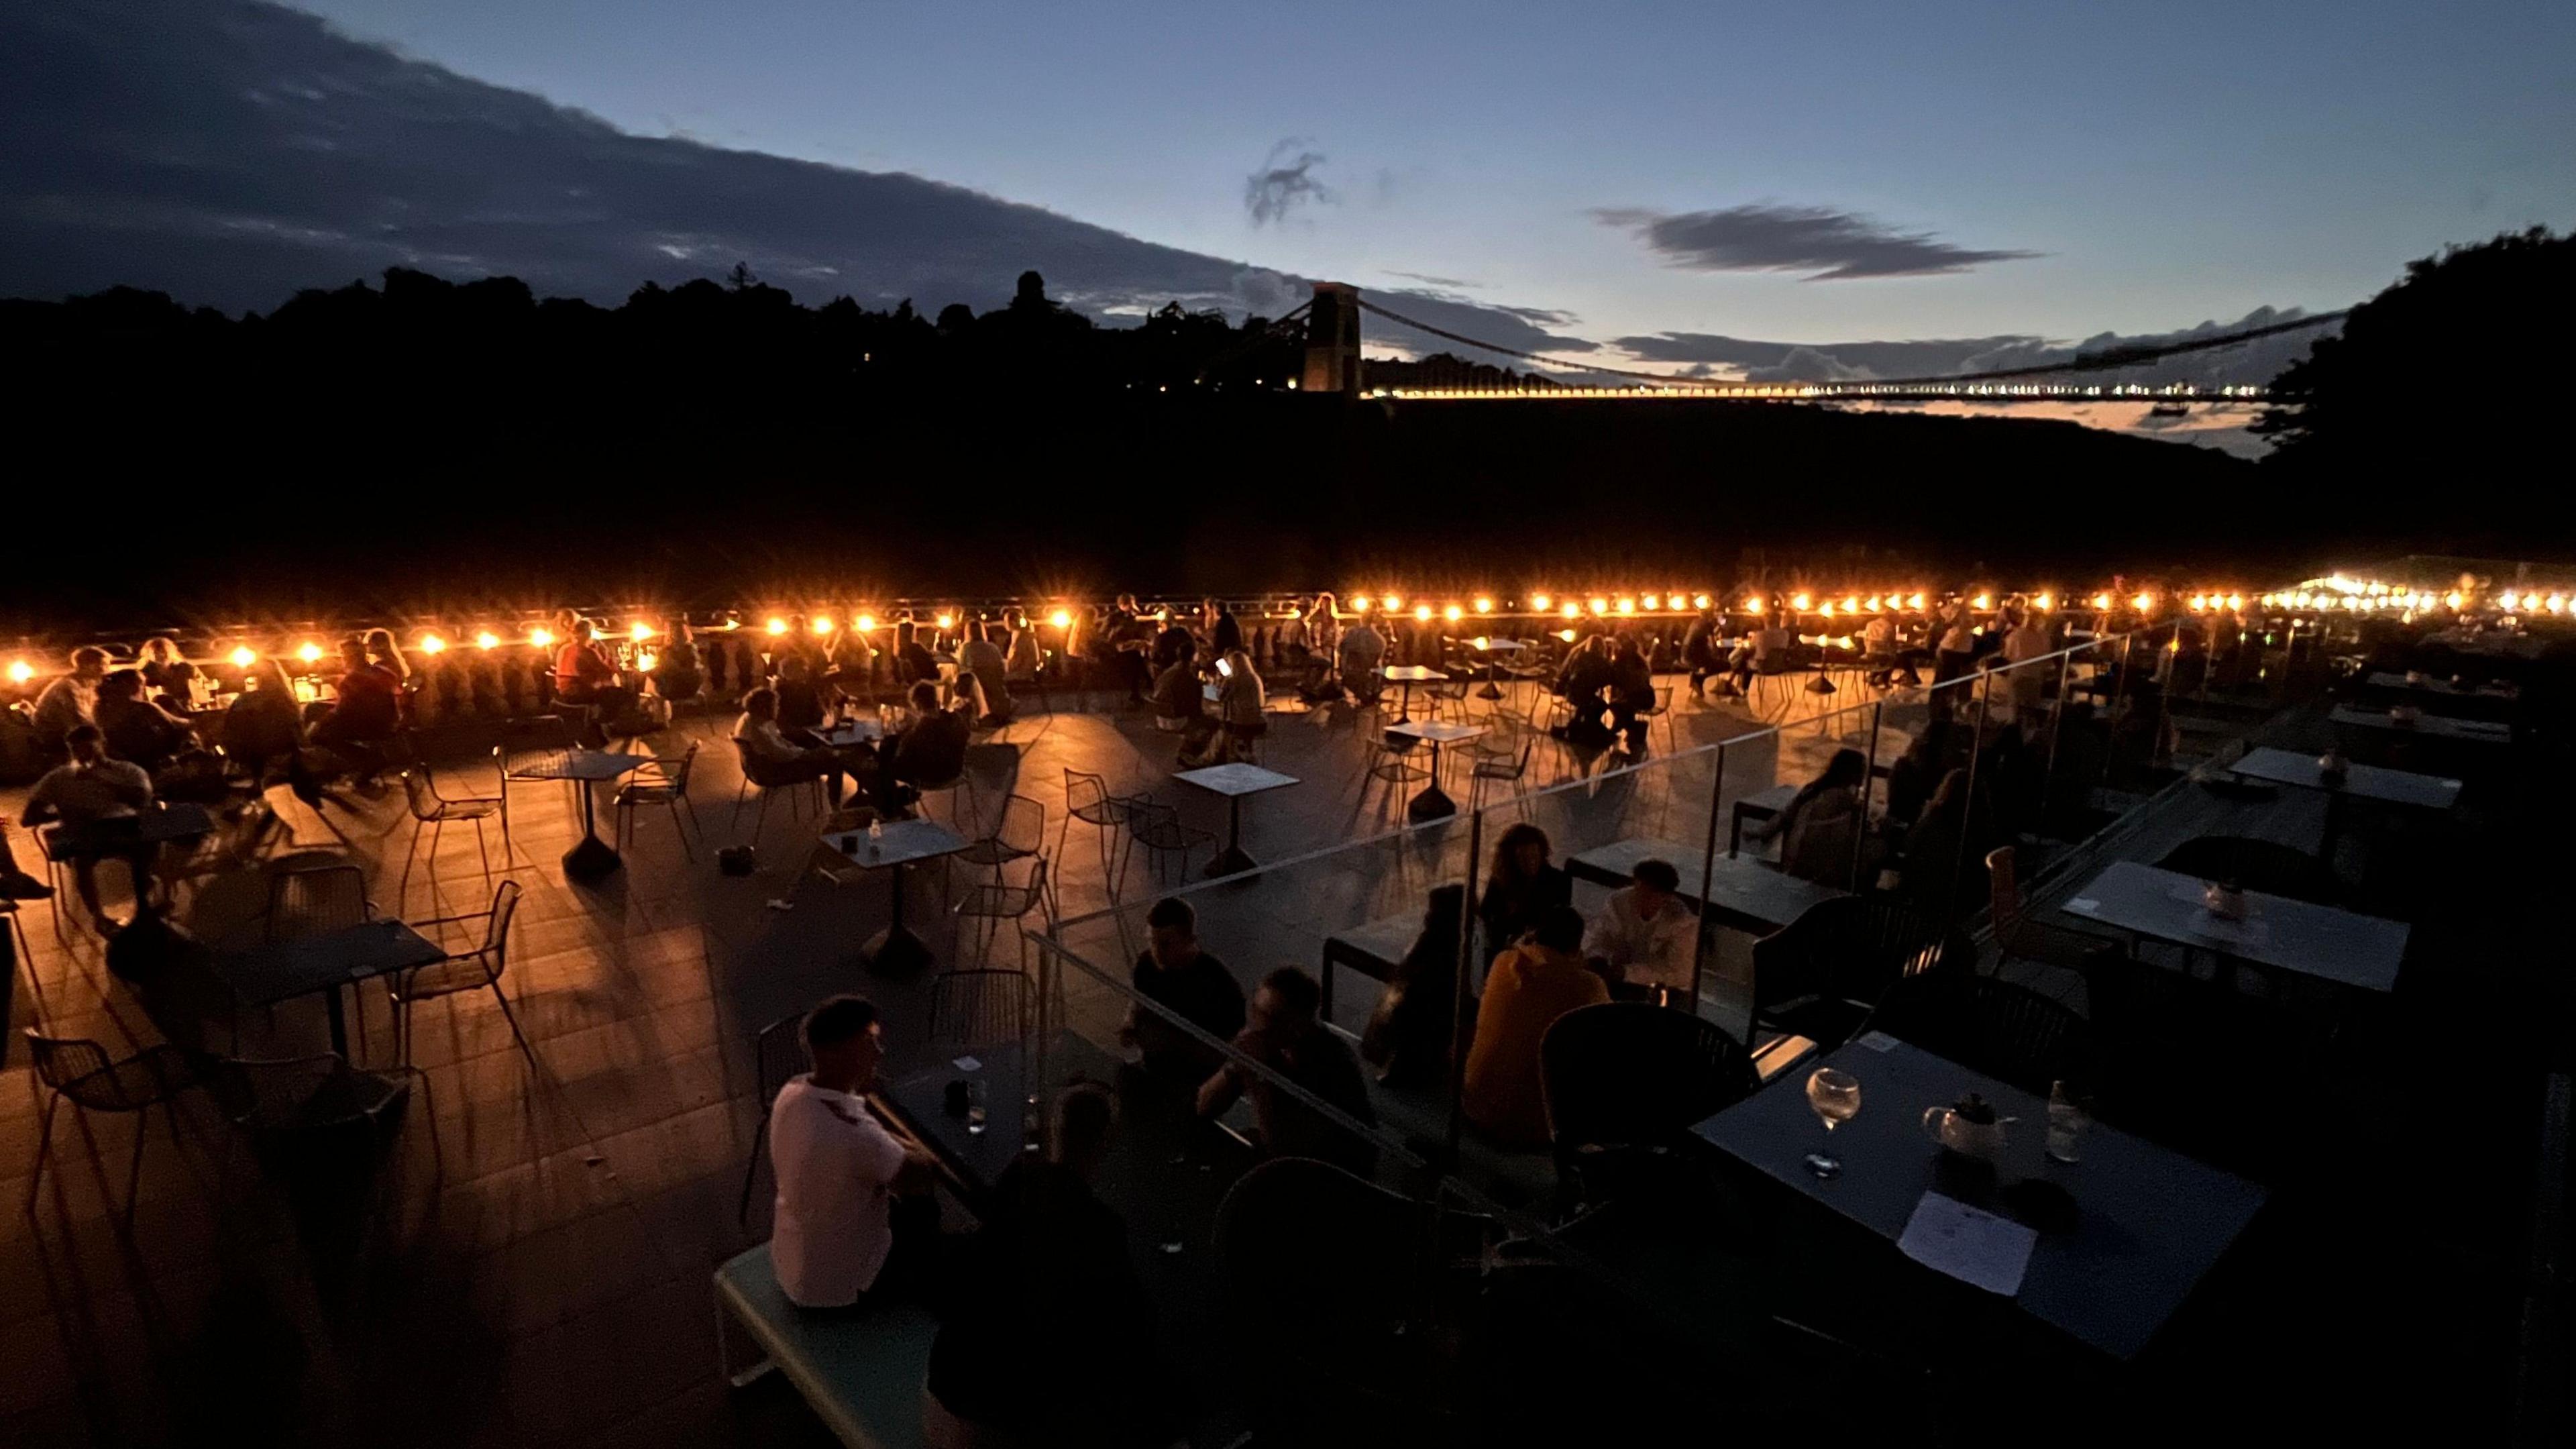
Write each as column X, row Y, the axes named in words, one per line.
column 1521, row 885
column 1408, row 1035
column 386, row 655
column 1819, row 825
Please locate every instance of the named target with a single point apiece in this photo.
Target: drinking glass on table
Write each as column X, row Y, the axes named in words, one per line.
column 1835, row 1096
column 2067, row 1119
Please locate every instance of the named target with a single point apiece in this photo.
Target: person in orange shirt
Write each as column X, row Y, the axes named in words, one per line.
column 1535, row 981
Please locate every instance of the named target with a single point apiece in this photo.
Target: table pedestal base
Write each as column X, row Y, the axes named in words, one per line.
column 591, row 859
column 1432, row 804
column 1229, row 861
column 896, row 951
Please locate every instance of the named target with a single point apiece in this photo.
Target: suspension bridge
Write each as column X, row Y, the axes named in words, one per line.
column 1329, row 324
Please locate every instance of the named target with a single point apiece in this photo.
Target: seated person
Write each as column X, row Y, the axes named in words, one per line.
column 72, row 699
column 1241, row 697
column 1173, row 643
column 772, row 759
column 1531, row 985
column 135, row 728
column 1362, row 650
column 1642, row 937
column 980, row 672
column 1282, row 1034
column 263, row 724
column 800, row 700
column 1408, row 1034
column 585, row 675
column 932, row 749
column 913, row 663
column 1047, row 1334
column 1521, row 885
column 1771, row 650
column 1819, row 828
column 88, row 791
column 677, row 674
column 853, row 1215
column 368, row 711
column 1632, row 694
column 1175, row 974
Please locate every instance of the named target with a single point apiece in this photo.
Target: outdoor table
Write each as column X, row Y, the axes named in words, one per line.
column 2482, row 732
column 856, row 730
column 1489, row 648
column 2366, row 782
column 1233, row 782
column 1407, row 676
column 2427, row 684
column 1741, row 893
column 1760, row 805
column 896, row 948
column 1434, row 803
column 2316, row 941
column 590, row 858
column 2149, row 1222
column 276, row 971
column 115, row 834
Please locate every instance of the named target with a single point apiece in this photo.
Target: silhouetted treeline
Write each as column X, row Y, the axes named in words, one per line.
column 425, row 444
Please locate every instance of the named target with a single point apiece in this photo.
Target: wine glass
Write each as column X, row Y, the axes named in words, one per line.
column 1835, row 1096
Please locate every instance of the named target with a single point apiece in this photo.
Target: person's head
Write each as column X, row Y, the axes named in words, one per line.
column 353, row 652
column 1951, row 795
column 385, row 654
column 761, row 704
column 584, row 630
column 89, row 664
column 1286, row 1003
column 1656, row 882
column 1628, row 652
column 565, row 621
column 1846, row 770
column 844, row 1042
column 1445, row 911
column 269, row 676
column 1172, row 933
column 85, row 743
column 1559, row 929
column 160, row 649
column 1083, row 1116
column 979, row 631
column 1521, row 854
column 904, row 632
column 1325, row 604
column 924, row 696
column 121, row 684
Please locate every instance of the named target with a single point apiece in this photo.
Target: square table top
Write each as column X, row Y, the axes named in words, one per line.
column 905, row 841
column 1413, row 674
column 152, row 825
column 276, row 971
column 1438, row 731
column 2386, row 679
column 2150, row 1221
column 590, row 765
column 855, row 731
column 2485, row 732
column 1741, row 892
column 2370, row 782
column 1234, row 779
column 2319, row 941
column 1767, row 802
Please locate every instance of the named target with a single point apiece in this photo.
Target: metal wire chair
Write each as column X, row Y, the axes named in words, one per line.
column 433, row 810
column 777, row 1052
column 659, row 782
column 1629, row 1076
column 991, row 903
column 1087, row 799
column 2008, row 1032
column 1158, row 828
column 80, row 1071
column 477, row 968
column 529, row 750
column 982, row 1006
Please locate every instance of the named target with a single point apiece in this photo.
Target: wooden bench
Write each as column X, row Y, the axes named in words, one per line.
column 860, row 1371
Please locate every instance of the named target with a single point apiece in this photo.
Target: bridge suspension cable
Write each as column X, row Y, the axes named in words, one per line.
column 2108, row 358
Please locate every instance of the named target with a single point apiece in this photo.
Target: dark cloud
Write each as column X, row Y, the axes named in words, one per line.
column 1285, row 182
column 1711, row 355
column 1826, row 244
column 230, row 153
column 1523, row 329
column 1446, row 284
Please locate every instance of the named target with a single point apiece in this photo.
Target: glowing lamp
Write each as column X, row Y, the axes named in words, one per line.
column 1484, row 606
column 2509, row 600
column 1539, row 602
column 2043, row 602
column 1627, row 606
column 1914, row 601
column 20, row 671
column 822, row 623
column 1753, row 606
column 777, row 626
column 541, row 637
column 639, row 631
column 2146, row 603
column 485, row 640
column 1061, row 618
column 1453, row 613
column 865, row 623
column 1392, row 602
column 1701, row 600
column 1571, row 610
column 1851, row 603
column 1422, row 612
column 2199, row 603
column 1359, row 603
column 648, row 661
column 1673, row 601
column 1565, row 634
column 2235, row 601
column 949, row 621
column 309, row 652
column 1650, row 602
column 432, row 644
column 1981, row 602
column 1800, row 603
column 1827, row 610
column 2102, row 601
column 243, row 658
column 1480, row 641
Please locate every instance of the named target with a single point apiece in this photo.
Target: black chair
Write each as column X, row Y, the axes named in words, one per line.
column 477, row 967
column 1819, row 975
column 777, row 1054
column 1087, row 799
column 311, row 1109
column 433, row 811
column 530, row 751
column 979, row 1007
column 1158, row 828
column 2266, row 866
column 2178, row 1057
column 2008, row 1032
column 1624, row 1078
column 80, row 1072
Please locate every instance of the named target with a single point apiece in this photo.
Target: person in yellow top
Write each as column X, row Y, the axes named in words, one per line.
column 1533, row 982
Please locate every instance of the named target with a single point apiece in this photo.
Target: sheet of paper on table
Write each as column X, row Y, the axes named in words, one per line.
column 1970, row 1244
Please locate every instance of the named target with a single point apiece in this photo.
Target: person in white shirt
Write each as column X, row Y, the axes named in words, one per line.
column 1957, row 645
column 72, row 699
column 846, row 1219
column 1642, row 936
column 90, row 790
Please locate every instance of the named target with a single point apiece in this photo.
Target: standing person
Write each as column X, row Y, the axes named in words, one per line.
column 1173, row 644
column 72, row 699
column 89, row 790
column 1521, row 885
column 1048, row 1333
column 980, row 668
column 1027, row 653
column 1175, row 974
column 853, row 1215
column 1956, row 645
column 1225, row 632
column 165, row 670
column 1642, row 937
column 1408, row 1036
column 932, row 749
column 2033, row 639
column 1129, row 640
column 913, row 662
column 1699, row 650
column 1282, row 1034
column 1531, row 985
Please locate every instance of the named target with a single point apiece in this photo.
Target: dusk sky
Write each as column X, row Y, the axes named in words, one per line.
column 2166, row 164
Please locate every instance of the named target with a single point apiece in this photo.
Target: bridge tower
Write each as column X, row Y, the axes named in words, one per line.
column 1333, row 341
